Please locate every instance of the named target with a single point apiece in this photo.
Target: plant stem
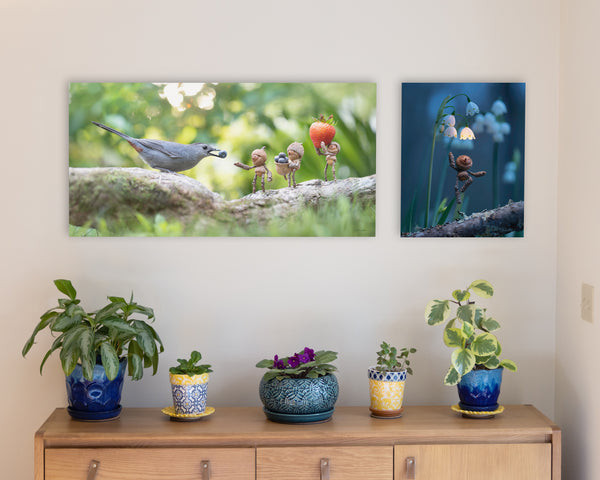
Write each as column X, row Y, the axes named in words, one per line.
column 427, row 205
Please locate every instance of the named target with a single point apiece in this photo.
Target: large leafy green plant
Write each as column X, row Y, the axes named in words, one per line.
column 106, row 335
column 469, row 332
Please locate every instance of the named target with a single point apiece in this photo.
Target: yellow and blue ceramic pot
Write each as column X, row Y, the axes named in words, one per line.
column 189, row 393
column 387, row 392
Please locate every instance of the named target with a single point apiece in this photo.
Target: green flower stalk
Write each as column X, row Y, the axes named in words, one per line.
column 445, row 122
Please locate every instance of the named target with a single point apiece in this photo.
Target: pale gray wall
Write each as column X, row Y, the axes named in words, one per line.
column 577, row 342
column 204, row 289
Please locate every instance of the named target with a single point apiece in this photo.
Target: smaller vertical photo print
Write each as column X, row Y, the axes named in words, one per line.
column 463, row 159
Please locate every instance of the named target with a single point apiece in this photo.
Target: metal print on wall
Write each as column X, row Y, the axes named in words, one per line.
column 463, row 159
column 222, row 159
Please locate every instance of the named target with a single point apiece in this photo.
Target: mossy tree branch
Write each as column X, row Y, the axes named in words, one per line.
column 96, row 193
column 493, row 223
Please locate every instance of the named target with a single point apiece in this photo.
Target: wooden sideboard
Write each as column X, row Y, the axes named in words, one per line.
column 427, row 443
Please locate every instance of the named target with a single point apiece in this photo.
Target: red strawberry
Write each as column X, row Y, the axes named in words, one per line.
column 322, row 130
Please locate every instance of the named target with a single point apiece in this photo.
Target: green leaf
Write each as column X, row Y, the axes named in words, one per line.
column 58, row 342
column 119, row 325
column 66, row 287
column 484, row 344
column 467, row 329
column 466, row 313
column 452, row 377
column 65, row 322
column 195, row 357
column 270, row 375
column 479, row 316
column 144, row 338
column 489, row 325
column 110, row 360
column 461, row 295
column 87, row 366
column 454, row 337
column 68, row 358
column 118, row 300
column 492, row 362
column 483, row 288
column 325, row 356
column 463, row 361
column 266, row 363
column 107, row 311
column 155, row 362
column 437, row 311
column 46, row 319
column 509, row 365
column 86, row 344
column 135, row 361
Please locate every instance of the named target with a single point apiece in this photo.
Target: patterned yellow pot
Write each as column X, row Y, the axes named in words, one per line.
column 189, row 393
column 387, row 392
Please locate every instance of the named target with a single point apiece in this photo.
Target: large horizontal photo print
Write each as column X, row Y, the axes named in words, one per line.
column 222, row 159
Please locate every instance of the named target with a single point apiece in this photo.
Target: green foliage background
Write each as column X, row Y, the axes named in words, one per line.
column 237, row 117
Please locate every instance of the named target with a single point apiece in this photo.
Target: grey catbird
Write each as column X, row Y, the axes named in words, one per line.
column 168, row 156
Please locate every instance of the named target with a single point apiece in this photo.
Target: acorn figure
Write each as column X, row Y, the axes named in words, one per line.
column 282, row 166
column 330, row 151
column 295, row 153
column 259, row 160
column 462, row 165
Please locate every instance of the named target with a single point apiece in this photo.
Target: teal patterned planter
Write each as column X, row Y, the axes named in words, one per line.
column 299, row 396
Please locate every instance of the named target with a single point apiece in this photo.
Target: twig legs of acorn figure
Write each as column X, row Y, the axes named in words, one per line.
column 259, row 160
column 330, row 151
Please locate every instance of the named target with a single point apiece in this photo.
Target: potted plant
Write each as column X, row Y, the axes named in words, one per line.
column 299, row 388
column 95, row 349
column 475, row 367
column 387, row 380
column 189, row 382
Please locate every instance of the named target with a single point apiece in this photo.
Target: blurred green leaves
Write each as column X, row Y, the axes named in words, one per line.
column 237, row 117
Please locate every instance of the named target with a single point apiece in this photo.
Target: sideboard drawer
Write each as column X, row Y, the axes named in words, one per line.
column 342, row 463
column 150, row 463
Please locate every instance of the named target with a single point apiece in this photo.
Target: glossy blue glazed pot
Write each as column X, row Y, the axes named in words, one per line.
column 299, row 395
column 96, row 399
column 478, row 390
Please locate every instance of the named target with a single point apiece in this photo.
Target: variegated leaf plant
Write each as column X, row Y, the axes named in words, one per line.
column 469, row 332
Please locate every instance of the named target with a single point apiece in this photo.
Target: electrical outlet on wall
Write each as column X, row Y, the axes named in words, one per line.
column 587, row 302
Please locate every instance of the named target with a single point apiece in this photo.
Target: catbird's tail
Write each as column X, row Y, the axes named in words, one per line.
column 112, row 130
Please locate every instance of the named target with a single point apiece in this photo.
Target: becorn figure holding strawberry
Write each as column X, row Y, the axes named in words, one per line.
column 321, row 133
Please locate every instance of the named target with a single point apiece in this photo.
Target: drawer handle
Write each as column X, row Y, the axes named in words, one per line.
column 93, row 469
column 325, row 469
column 205, row 466
column 410, row 467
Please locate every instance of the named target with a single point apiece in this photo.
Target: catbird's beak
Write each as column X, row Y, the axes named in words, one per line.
column 215, row 152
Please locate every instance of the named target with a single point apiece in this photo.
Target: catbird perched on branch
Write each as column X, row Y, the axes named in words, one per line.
column 168, row 156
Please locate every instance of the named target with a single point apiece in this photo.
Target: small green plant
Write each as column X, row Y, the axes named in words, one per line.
column 102, row 336
column 189, row 367
column 469, row 332
column 305, row 364
column 389, row 360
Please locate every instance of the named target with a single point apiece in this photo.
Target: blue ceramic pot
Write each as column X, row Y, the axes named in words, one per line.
column 96, row 399
column 299, row 395
column 478, row 390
